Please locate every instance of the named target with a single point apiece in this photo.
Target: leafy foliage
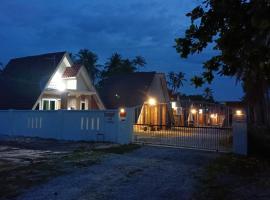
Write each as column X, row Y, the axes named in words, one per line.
column 89, row 60
column 118, row 65
column 175, row 81
column 239, row 30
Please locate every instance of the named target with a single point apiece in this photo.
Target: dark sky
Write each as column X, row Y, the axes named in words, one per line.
column 130, row 27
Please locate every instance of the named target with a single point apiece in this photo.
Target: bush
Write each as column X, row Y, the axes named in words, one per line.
column 259, row 141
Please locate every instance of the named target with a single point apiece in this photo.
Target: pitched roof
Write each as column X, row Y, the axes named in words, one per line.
column 71, row 71
column 23, row 79
column 126, row 90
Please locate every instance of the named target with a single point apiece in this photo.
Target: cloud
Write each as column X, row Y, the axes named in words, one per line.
column 132, row 27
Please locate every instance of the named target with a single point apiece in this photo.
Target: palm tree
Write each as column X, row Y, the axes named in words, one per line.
column 176, row 80
column 208, row 94
column 89, row 60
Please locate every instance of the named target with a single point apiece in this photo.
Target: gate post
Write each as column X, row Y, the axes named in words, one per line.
column 125, row 127
column 239, row 125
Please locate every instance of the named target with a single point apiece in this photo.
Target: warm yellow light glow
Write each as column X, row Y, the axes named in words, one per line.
column 238, row 112
column 174, row 105
column 193, row 111
column 213, row 115
column 122, row 110
column 200, row 111
column 152, row 101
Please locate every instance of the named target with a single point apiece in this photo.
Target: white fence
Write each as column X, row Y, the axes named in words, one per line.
column 68, row 125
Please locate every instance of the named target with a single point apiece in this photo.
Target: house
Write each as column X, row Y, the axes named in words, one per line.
column 146, row 91
column 47, row 82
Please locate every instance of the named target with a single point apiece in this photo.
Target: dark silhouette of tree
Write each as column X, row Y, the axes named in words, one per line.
column 117, row 65
column 239, row 31
column 89, row 60
column 208, row 94
column 175, row 81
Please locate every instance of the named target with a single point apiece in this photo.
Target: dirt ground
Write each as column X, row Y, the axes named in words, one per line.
column 36, row 169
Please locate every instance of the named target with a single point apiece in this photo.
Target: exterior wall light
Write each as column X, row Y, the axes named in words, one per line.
column 61, row 86
column 122, row 114
column 174, row 105
column 213, row 115
column 152, row 101
column 239, row 112
column 193, row 111
column 200, row 111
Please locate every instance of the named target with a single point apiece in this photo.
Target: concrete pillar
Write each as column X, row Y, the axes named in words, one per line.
column 239, row 125
column 125, row 127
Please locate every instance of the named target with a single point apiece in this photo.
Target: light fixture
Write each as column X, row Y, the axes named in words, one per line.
column 239, row 112
column 200, row 111
column 152, row 101
column 193, row 111
column 60, row 86
column 213, row 115
column 122, row 110
column 174, row 105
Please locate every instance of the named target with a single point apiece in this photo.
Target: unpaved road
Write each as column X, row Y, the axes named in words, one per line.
column 146, row 173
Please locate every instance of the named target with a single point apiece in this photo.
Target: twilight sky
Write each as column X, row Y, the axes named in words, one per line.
column 129, row 27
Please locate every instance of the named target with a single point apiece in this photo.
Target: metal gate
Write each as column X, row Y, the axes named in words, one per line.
column 205, row 138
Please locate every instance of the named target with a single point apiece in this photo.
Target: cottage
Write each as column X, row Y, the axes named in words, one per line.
column 146, row 91
column 47, row 82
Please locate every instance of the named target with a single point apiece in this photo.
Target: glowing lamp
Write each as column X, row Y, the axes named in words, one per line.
column 174, row 105
column 61, row 87
column 152, row 101
column 122, row 113
column 239, row 112
column 200, row 111
column 193, row 111
column 213, row 115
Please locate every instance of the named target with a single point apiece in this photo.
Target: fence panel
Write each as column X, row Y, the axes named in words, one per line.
column 208, row 138
column 94, row 125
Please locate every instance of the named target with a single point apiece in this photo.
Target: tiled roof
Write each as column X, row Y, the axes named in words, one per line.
column 71, row 71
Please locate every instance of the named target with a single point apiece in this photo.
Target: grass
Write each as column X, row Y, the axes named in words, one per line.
column 231, row 177
column 16, row 178
column 119, row 149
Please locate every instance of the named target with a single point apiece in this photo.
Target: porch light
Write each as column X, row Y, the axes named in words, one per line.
column 122, row 110
column 122, row 114
column 60, row 85
column 193, row 111
column 174, row 105
column 239, row 112
column 152, row 101
column 213, row 115
column 200, row 111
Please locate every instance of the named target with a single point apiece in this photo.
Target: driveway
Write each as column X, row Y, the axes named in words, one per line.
column 145, row 173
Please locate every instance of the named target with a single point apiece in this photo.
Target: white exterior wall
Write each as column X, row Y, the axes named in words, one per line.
column 68, row 125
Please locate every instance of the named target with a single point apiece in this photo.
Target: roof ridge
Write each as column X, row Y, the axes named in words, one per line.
column 39, row 55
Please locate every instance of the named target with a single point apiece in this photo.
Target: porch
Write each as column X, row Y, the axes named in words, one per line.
column 68, row 100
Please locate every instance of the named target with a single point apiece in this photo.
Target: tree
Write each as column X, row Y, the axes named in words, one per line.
column 240, row 32
column 208, row 94
column 117, row 65
column 1, row 67
column 89, row 60
column 175, row 81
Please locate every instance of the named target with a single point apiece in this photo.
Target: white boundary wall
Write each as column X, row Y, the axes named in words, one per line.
column 93, row 125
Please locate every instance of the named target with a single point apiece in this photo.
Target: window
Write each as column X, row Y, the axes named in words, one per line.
column 49, row 104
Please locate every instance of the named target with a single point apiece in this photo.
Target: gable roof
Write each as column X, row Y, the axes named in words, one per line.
column 71, row 71
column 23, row 79
column 126, row 90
